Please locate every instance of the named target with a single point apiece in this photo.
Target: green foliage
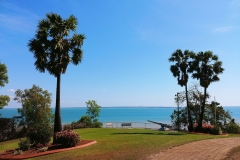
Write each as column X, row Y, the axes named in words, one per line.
column 211, row 108
column 36, row 113
column 5, row 129
column 216, row 130
column 24, row 144
column 4, row 99
column 76, row 125
column 86, row 120
column 97, row 124
column 232, row 127
column 183, row 121
column 40, row 134
column 67, row 138
column 3, row 75
column 52, row 47
column 93, row 109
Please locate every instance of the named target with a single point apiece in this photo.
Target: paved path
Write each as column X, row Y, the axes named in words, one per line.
column 212, row 149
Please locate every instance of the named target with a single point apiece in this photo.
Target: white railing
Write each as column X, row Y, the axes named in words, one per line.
column 134, row 125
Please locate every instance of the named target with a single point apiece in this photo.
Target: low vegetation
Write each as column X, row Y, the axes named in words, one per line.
column 89, row 120
column 115, row 143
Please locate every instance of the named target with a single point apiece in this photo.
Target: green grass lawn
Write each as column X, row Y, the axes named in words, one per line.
column 124, row 144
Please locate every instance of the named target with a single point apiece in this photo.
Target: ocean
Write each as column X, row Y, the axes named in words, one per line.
column 138, row 116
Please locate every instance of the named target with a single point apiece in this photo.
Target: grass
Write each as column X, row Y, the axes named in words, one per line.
column 124, row 144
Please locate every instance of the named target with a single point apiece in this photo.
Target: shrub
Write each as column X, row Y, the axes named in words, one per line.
column 96, row 124
column 206, row 128
column 232, row 128
column 86, row 120
column 76, row 125
column 67, row 126
column 24, row 144
column 67, row 138
column 40, row 134
column 216, row 130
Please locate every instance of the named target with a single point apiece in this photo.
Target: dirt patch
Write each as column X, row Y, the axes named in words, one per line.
column 51, row 149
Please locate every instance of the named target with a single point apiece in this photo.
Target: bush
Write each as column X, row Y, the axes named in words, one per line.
column 77, row 125
column 24, row 144
column 67, row 138
column 67, row 126
column 206, row 128
column 40, row 134
column 96, row 124
column 232, row 128
column 86, row 120
column 216, row 130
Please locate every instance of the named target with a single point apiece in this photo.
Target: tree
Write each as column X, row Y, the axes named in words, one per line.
column 216, row 115
column 205, row 67
column 4, row 99
column 54, row 49
column 180, row 70
column 93, row 109
column 36, row 113
column 212, row 110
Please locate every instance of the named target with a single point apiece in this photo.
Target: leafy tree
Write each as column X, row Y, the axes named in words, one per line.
column 93, row 109
column 54, row 49
column 214, row 110
column 180, row 70
column 205, row 67
column 196, row 96
column 36, row 113
column 4, row 99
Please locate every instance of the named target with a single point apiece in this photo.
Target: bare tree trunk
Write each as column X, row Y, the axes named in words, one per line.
column 199, row 128
column 190, row 126
column 57, row 119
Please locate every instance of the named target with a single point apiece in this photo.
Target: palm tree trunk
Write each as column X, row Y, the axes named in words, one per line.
column 190, row 126
column 199, row 128
column 57, row 119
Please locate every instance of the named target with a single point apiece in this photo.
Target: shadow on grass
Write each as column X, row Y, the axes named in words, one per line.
column 159, row 133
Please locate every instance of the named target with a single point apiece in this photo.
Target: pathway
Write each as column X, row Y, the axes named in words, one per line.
column 211, row 149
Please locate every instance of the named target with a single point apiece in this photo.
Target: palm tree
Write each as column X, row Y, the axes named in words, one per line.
column 205, row 67
column 180, row 70
column 54, row 49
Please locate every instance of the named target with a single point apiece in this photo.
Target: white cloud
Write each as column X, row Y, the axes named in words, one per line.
column 223, row 29
column 11, row 90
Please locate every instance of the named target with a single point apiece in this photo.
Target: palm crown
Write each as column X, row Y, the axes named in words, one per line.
column 52, row 47
column 206, row 67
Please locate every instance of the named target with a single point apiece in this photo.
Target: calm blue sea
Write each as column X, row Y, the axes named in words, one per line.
column 121, row 114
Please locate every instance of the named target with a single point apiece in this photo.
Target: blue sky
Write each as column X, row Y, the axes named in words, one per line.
column 126, row 51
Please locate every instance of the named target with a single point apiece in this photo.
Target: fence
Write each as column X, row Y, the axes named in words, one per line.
column 134, row 125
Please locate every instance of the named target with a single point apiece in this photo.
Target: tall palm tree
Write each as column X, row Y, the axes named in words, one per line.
column 54, row 49
column 205, row 67
column 180, row 70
